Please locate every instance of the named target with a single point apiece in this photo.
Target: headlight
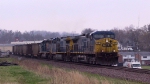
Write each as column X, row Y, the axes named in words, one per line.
column 106, row 40
column 98, row 43
column 115, row 43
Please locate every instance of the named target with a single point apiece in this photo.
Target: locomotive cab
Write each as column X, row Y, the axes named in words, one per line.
column 105, row 46
column 102, row 34
column 104, row 41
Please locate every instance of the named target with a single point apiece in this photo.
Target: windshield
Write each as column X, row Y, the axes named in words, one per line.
column 110, row 36
column 97, row 36
column 136, row 65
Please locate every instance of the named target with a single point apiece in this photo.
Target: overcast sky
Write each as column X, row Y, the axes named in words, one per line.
column 72, row 15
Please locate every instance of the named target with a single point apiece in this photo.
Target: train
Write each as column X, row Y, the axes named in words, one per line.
column 98, row 47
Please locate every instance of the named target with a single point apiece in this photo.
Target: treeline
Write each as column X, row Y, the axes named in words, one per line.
column 139, row 38
column 8, row 36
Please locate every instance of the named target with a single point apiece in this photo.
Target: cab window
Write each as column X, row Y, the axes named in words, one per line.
column 98, row 36
column 110, row 36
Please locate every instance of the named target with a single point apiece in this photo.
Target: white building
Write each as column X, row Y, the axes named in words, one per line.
column 127, row 48
column 127, row 56
column 145, row 58
column 119, row 46
column 25, row 42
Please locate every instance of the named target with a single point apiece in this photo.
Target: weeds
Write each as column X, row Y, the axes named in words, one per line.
column 57, row 76
column 53, row 75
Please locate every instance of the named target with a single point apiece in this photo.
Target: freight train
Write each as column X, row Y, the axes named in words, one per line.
column 99, row 47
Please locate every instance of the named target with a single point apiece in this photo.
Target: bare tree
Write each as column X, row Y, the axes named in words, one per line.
column 87, row 30
column 149, row 27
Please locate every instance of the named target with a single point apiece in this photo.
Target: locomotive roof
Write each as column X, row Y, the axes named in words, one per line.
column 102, row 32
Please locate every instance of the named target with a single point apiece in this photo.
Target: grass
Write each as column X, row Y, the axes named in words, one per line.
column 6, row 59
column 102, row 79
column 33, row 72
column 110, row 80
column 57, row 75
column 17, row 75
column 145, row 67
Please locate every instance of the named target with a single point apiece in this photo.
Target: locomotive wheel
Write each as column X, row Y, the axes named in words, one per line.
column 50, row 57
column 91, row 61
column 39, row 56
column 71, row 59
column 32, row 56
column 47, row 57
column 77, row 60
column 65, row 58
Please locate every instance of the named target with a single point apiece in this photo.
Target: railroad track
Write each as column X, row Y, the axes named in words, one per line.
column 144, row 71
column 136, row 70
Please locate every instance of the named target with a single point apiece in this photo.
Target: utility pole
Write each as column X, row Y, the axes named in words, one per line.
column 33, row 36
column 138, row 51
column 137, row 40
column 138, row 21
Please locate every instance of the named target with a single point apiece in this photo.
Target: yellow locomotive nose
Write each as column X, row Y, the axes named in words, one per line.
column 105, row 45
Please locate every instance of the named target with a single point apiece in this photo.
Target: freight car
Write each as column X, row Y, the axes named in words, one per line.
column 36, row 49
column 99, row 47
column 17, row 49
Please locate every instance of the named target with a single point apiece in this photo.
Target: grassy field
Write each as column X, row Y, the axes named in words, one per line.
column 33, row 72
column 109, row 80
column 145, row 67
column 17, row 75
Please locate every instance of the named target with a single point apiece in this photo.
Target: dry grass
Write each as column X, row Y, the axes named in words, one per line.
column 57, row 75
column 73, row 77
column 8, row 83
column 52, row 75
column 145, row 67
